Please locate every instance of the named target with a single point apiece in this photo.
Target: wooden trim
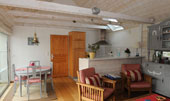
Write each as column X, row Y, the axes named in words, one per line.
column 90, row 93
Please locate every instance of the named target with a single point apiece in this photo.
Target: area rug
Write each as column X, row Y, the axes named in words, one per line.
column 50, row 95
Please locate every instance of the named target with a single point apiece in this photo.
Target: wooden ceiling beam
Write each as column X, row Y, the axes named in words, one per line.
column 6, row 18
column 56, row 17
column 58, row 23
column 68, row 9
column 4, row 28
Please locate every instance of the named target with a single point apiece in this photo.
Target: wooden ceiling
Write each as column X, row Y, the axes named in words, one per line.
column 79, row 16
column 157, row 9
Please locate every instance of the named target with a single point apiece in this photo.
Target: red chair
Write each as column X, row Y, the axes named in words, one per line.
column 93, row 93
column 144, row 85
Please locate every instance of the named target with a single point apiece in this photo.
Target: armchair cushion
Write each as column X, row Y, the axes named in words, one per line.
column 141, row 84
column 135, row 75
column 93, row 80
column 108, row 92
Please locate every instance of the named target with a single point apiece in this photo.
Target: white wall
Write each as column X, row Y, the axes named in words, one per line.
column 130, row 38
column 22, row 53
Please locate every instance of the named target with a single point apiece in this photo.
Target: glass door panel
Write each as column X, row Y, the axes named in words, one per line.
column 4, row 81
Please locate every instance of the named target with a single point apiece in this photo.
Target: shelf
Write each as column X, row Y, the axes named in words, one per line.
column 166, row 33
column 166, row 40
column 166, row 27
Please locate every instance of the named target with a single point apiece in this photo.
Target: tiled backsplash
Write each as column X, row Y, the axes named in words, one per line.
column 105, row 51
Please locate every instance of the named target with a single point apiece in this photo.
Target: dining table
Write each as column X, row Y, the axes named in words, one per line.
column 20, row 72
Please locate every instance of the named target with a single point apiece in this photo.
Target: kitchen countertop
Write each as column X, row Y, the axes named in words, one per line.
column 112, row 58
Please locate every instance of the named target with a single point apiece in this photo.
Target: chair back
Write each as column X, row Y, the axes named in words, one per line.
column 34, row 72
column 126, row 67
column 14, row 71
column 34, row 63
column 51, row 68
column 86, row 73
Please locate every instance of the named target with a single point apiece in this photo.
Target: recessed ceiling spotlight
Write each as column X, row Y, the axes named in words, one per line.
column 74, row 21
column 110, row 19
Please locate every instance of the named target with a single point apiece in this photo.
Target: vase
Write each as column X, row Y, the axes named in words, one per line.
column 127, row 55
column 92, row 55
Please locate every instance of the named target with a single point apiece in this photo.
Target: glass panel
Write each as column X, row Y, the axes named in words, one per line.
column 3, row 63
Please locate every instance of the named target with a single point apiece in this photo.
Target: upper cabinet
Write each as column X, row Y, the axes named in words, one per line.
column 159, row 36
column 154, row 37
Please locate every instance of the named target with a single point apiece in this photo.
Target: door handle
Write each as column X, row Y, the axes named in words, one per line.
column 157, row 73
column 150, row 71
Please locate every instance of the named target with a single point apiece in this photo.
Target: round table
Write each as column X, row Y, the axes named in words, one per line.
column 23, row 72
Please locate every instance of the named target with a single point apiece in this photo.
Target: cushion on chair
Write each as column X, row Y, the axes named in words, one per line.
column 134, row 74
column 23, row 78
column 108, row 92
column 141, row 84
column 32, row 64
column 93, row 80
column 34, row 80
column 86, row 73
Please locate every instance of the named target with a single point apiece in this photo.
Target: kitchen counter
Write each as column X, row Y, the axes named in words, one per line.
column 110, row 58
column 106, row 65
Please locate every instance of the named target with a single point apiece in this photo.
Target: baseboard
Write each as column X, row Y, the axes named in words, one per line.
column 8, row 94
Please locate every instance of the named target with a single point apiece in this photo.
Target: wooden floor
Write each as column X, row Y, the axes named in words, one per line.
column 66, row 89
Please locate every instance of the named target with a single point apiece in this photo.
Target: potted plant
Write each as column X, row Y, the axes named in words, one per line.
column 127, row 51
column 92, row 50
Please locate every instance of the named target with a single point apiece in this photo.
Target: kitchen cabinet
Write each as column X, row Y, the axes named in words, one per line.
column 76, row 51
column 159, row 36
column 160, row 77
column 154, row 37
column 167, row 80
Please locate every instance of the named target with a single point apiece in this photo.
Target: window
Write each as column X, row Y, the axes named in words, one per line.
column 4, row 81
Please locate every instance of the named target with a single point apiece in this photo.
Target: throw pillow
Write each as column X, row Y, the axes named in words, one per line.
column 134, row 74
column 93, row 80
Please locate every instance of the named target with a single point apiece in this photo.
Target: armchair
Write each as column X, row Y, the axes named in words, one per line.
column 143, row 85
column 90, row 92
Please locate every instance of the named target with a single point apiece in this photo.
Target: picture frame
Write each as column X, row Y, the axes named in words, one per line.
column 30, row 39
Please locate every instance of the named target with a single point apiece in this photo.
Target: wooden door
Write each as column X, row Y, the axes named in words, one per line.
column 59, row 55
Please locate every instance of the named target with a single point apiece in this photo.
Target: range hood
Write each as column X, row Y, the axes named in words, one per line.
column 102, row 38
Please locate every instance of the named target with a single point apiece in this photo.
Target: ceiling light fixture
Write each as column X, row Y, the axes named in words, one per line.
column 35, row 40
column 110, row 19
column 95, row 10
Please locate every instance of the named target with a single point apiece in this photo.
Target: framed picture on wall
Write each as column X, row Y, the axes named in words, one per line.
column 30, row 39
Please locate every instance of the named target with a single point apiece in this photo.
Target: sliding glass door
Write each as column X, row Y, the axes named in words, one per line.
column 4, row 80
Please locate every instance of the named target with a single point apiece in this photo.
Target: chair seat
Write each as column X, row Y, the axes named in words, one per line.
column 48, row 76
column 108, row 92
column 34, row 80
column 141, row 84
column 22, row 78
